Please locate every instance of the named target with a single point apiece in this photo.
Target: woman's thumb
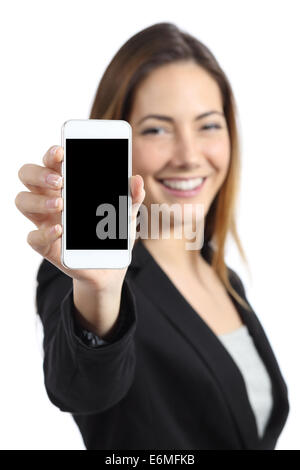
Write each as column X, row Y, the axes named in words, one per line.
column 137, row 193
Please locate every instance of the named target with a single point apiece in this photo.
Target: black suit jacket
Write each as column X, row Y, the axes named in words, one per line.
column 166, row 381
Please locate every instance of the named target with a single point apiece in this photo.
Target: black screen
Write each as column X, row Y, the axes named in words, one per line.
column 96, row 174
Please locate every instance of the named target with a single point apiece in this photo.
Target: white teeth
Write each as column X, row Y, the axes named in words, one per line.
column 183, row 184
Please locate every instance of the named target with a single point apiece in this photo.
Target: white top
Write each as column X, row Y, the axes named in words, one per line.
column 258, row 384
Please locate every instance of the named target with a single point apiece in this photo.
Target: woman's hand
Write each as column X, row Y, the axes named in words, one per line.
column 43, row 204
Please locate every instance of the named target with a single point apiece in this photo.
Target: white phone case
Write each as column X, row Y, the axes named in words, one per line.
column 95, row 258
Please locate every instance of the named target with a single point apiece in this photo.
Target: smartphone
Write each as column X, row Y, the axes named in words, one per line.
column 96, row 214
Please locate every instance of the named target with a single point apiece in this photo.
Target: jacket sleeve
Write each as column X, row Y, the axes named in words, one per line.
column 78, row 378
column 91, row 339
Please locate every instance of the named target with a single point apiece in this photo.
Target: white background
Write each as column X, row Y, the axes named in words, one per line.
column 53, row 54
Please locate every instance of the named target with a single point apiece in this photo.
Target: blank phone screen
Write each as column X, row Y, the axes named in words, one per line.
column 96, row 180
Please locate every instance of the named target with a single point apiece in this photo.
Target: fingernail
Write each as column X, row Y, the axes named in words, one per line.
column 142, row 182
column 54, row 180
column 51, row 203
column 53, row 150
column 55, row 229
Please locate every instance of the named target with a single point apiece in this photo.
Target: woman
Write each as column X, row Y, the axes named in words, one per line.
column 167, row 353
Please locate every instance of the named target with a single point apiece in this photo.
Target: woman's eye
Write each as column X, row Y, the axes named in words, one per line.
column 156, row 130
column 152, row 130
column 211, row 126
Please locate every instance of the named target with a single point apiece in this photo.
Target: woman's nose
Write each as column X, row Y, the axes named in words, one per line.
column 187, row 151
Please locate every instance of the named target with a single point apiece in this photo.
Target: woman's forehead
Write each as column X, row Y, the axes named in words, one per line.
column 174, row 87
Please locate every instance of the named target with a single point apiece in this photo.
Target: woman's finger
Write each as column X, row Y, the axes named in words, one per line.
column 42, row 240
column 28, row 202
column 137, row 193
column 40, row 177
column 53, row 158
column 136, row 184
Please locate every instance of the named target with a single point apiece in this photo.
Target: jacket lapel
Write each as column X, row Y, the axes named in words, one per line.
column 156, row 284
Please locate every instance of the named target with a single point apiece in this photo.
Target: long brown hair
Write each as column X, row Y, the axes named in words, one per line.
column 155, row 46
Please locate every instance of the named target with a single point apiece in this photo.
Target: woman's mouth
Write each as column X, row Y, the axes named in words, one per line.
column 183, row 188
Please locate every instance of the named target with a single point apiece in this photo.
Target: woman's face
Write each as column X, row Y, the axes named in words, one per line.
column 177, row 145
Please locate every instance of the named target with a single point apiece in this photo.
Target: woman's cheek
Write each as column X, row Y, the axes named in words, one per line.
column 218, row 153
column 147, row 162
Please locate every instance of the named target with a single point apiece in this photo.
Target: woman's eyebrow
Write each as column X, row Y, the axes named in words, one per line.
column 169, row 119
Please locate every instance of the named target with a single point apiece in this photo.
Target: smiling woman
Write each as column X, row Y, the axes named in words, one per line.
column 187, row 364
column 172, row 77
column 188, row 161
